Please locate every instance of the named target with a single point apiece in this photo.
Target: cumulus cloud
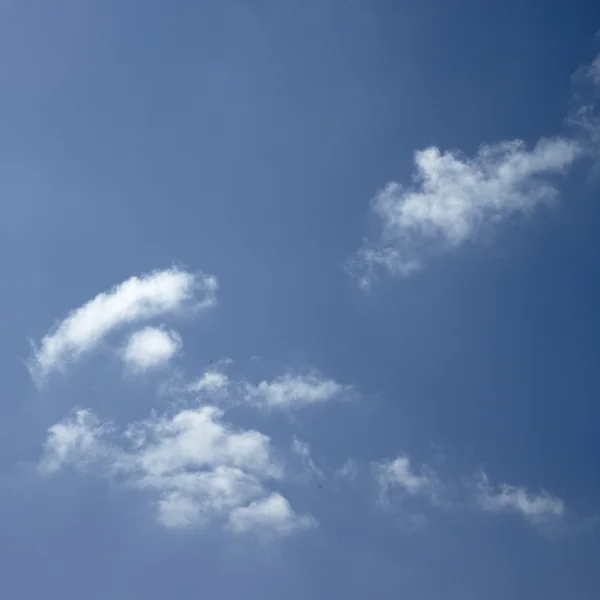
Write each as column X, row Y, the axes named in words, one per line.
column 455, row 199
column 75, row 442
column 211, row 382
column 272, row 515
column 136, row 299
column 150, row 347
column 397, row 474
column 199, row 468
column 290, row 392
column 537, row 508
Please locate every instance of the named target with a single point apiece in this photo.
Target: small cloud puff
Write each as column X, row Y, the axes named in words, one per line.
column 290, row 392
column 150, row 348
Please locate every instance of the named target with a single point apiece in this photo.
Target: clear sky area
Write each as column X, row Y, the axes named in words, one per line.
column 300, row 299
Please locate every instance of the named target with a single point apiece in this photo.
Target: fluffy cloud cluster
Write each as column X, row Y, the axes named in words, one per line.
column 456, row 199
column 199, row 468
column 138, row 299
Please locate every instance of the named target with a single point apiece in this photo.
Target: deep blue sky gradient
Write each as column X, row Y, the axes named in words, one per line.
column 246, row 139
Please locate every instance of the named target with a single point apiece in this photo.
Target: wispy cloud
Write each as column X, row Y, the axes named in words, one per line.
column 455, row 199
column 290, row 392
column 149, row 348
column 210, row 382
column 585, row 115
column 302, row 450
column 138, row 298
column 397, row 480
column 539, row 509
column 397, row 474
column 348, row 471
column 593, row 71
column 199, row 468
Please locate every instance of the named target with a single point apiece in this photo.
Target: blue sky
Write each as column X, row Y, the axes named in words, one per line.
column 300, row 299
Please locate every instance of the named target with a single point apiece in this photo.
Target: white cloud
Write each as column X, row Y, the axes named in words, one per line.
column 178, row 511
column 456, row 199
column 538, row 509
column 198, row 438
column 302, row 450
column 588, row 74
column 272, row 515
column 594, row 71
column 150, row 347
column 193, row 499
column 541, row 509
column 213, row 385
column 397, row 474
column 199, row 468
column 138, row 298
column 294, row 391
column 586, row 114
column 348, row 471
column 74, row 442
column 210, row 383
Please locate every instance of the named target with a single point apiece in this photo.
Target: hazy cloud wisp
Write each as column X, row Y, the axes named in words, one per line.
column 290, row 392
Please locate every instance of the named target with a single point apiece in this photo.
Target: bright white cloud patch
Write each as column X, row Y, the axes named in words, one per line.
column 150, row 347
column 538, row 509
column 199, row 468
column 456, row 199
column 138, row 298
column 294, row 391
column 272, row 515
